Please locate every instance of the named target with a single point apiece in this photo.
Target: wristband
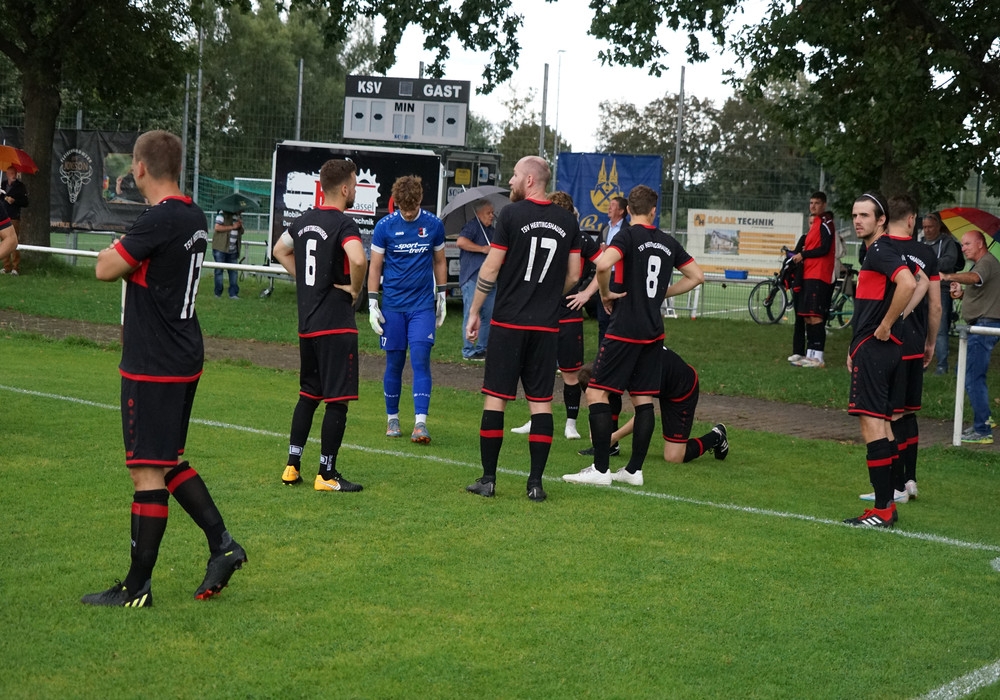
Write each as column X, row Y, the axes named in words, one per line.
column 485, row 286
column 441, row 288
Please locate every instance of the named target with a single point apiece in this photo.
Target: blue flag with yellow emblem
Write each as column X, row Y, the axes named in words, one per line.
column 594, row 179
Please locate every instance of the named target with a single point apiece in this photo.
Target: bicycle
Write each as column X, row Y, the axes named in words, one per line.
column 769, row 298
column 842, row 301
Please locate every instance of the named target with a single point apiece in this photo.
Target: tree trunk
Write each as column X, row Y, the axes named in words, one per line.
column 40, row 94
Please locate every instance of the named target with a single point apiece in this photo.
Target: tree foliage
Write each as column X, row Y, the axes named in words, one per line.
column 519, row 132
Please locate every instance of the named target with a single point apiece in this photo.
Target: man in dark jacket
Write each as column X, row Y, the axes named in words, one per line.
column 15, row 196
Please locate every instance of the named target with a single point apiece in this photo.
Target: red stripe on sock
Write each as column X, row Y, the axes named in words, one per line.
column 179, row 479
column 491, row 433
column 149, row 510
column 887, row 462
column 540, row 438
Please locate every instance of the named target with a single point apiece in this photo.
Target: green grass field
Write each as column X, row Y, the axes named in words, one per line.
column 714, row 580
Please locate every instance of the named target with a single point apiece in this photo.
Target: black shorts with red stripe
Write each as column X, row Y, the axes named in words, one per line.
column 155, row 419
column 570, row 345
column 628, row 366
column 873, row 367
column 677, row 414
column 328, row 366
column 514, row 354
column 814, row 299
column 908, row 385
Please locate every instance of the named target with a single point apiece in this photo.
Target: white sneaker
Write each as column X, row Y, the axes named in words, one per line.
column 810, row 362
column 570, row 432
column 590, row 475
column 911, row 489
column 624, row 477
column 897, row 496
column 522, row 430
column 796, row 357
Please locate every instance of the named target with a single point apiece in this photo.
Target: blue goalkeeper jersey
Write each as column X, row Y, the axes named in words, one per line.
column 408, row 271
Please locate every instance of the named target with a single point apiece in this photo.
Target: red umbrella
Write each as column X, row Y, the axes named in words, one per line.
column 10, row 156
column 961, row 220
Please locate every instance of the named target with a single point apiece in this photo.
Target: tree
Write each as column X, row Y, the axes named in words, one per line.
column 902, row 93
column 519, row 132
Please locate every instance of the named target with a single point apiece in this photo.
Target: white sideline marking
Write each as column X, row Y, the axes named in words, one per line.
column 924, row 536
column 967, row 684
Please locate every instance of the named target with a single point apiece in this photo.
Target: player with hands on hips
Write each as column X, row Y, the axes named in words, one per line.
column 407, row 255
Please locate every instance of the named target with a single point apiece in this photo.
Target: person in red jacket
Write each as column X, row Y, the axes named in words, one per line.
column 818, row 258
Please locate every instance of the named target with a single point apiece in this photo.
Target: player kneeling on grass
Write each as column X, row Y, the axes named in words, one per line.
column 678, row 401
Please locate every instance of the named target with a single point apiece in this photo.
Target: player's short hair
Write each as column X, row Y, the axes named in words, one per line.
column 642, row 200
column 336, row 172
column 161, row 152
column 820, row 195
column 563, row 200
column 876, row 198
column 901, row 206
column 408, row 192
column 538, row 168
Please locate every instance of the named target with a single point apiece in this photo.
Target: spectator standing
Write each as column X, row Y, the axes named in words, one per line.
column 533, row 262
column 162, row 356
column 474, row 244
column 885, row 288
column 818, row 258
column 8, row 235
column 629, row 358
column 322, row 250
column 226, row 249
column 980, row 307
column 15, row 197
column 946, row 249
column 408, row 257
column 617, row 209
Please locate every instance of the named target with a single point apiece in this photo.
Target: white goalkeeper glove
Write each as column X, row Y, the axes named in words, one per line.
column 441, row 306
column 375, row 317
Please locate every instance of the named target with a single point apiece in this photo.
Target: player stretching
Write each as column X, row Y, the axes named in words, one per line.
column 629, row 358
column 322, row 250
column 408, row 256
column 162, row 354
column 533, row 261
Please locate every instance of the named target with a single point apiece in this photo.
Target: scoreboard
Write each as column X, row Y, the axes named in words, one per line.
column 406, row 110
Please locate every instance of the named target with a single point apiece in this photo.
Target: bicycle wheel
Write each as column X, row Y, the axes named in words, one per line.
column 767, row 302
column 841, row 313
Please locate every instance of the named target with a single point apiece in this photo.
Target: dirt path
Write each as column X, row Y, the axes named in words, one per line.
column 736, row 411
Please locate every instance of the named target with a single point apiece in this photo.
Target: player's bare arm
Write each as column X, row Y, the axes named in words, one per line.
column 357, row 263
column 933, row 324
column 488, row 274
column 111, row 265
column 923, row 284
column 906, row 284
column 576, row 301
column 572, row 271
column 375, row 271
column 691, row 277
column 440, row 267
column 284, row 254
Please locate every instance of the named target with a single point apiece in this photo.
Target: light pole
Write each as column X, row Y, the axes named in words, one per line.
column 555, row 144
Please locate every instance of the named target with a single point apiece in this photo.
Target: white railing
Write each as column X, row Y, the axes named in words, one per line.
column 963, row 349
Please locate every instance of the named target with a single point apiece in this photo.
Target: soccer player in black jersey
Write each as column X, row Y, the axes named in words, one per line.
column 885, row 289
column 161, row 259
column 322, row 249
column 534, row 260
column 644, row 258
column 919, row 337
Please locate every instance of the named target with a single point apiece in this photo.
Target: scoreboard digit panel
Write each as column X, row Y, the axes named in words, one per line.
column 407, row 110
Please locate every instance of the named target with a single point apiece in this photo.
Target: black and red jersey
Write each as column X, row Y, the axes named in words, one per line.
column 318, row 238
column 649, row 257
column 537, row 238
column 590, row 251
column 161, row 338
column 876, row 286
column 918, row 256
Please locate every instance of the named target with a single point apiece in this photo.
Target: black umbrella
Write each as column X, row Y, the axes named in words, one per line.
column 461, row 208
column 237, row 201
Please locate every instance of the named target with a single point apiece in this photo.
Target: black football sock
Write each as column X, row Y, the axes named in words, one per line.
column 600, row 434
column 880, row 455
column 334, row 424
column 490, row 442
column 615, row 402
column 302, row 419
column 539, row 444
column 696, row 447
column 816, row 336
column 186, row 486
column 642, row 433
column 149, row 522
column 571, row 397
column 898, row 480
column 799, row 336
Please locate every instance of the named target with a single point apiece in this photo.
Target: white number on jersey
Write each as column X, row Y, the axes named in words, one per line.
column 191, row 290
column 653, row 275
column 310, row 262
column 549, row 245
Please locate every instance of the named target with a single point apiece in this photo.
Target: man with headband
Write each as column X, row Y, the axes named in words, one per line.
column 885, row 289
